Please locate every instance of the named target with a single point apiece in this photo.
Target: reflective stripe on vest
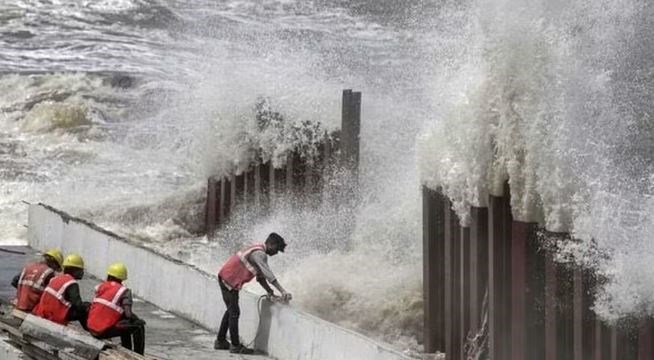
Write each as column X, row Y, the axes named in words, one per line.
column 105, row 311
column 60, row 293
column 28, row 279
column 238, row 270
column 31, row 285
column 53, row 305
column 242, row 255
column 113, row 304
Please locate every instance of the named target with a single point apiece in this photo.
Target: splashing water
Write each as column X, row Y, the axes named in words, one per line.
column 556, row 98
column 122, row 119
column 118, row 111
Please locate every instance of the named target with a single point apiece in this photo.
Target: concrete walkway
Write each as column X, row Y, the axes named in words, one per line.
column 167, row 336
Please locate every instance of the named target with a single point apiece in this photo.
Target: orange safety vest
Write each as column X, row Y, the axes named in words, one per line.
column 105, row 311
column 31, row 285
column 53, row 306
column 237, row 271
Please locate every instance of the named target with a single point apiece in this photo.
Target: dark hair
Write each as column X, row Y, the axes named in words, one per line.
column 113, row 278
column 72, row 270
column 276, row 238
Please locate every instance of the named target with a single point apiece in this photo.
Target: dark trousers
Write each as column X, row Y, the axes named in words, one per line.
column 128, row 330
column 230, row 319
column 78, row 314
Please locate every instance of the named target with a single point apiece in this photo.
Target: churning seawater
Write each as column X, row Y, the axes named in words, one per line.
column 557, row 98
column 118, row 110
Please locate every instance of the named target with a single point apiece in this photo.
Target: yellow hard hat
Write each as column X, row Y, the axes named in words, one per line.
column 74, row 260
column 117, row 270
column 55, row 254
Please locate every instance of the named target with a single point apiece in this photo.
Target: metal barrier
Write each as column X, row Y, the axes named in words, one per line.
column 253, row 187
column 537, row 308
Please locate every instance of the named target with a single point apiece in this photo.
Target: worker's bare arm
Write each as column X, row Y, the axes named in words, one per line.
column 264, row 284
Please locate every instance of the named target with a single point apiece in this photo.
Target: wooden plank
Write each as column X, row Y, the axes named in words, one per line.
column 37, row 353
column 11, row 328
column 120, row 353
column 61, row 336
column 46, row 349
column 36, row 350
column 19, row 314
column 65, row 355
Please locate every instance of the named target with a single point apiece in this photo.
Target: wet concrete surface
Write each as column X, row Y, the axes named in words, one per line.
column 167, row 335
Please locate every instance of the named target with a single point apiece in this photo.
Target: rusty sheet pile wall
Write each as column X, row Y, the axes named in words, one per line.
column 496, row 285
column 254, row 187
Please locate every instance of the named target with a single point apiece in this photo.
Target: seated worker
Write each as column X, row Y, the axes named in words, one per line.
column 35, row 276
column 61, row 301
column 111, row 311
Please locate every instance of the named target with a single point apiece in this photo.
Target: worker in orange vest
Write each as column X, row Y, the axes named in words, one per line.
column 239, row 269
column 61, row 301
column 35, row 276
column 111, row 311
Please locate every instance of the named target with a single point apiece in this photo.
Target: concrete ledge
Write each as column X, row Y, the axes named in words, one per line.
column 282, row 331
column 8, row 352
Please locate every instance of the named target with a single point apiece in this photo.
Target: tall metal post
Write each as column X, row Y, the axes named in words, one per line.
column 478, row 264
column 351, row 129
column 225, row 198
column 211, row 219
column 464, row 295
column 527, row 293
column 452, row 284
column 433, row 247
column 499, row 271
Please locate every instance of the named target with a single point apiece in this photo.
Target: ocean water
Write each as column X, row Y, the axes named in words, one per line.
column 556, row 98
column 118, row 111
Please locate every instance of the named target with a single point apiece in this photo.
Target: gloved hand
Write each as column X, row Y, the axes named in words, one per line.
column 286, row 297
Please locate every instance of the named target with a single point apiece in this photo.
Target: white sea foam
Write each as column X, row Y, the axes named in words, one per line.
column 138, row 159
column 493, row 90
column 551, row 98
